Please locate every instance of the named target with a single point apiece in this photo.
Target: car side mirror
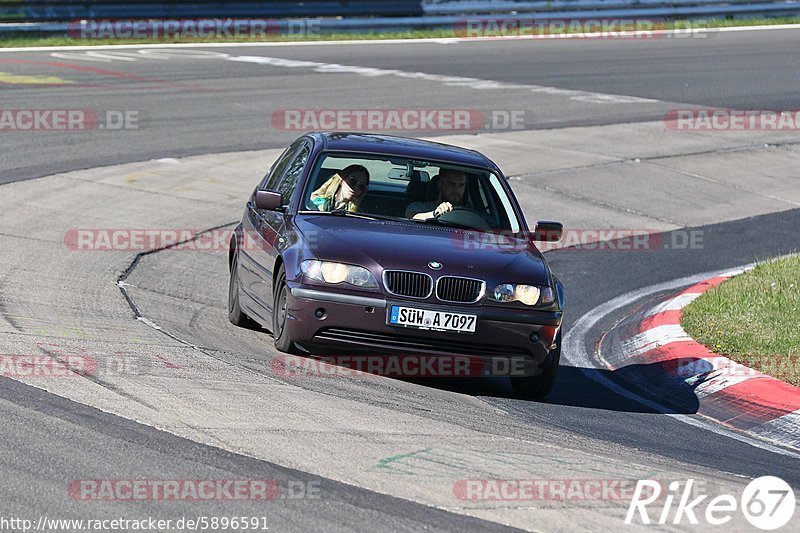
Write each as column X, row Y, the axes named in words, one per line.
column 268, row 200
column 548, row 231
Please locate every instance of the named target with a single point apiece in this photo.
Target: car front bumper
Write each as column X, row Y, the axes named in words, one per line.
column 321, row 319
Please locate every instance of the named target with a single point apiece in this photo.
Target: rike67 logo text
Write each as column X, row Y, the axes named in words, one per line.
column 767, row 503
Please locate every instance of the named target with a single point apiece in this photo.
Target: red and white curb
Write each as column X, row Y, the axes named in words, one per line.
column 724, row 390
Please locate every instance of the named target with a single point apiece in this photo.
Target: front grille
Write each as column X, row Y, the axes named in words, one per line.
column 411, row 284
column 365, row 340
column 462, row 290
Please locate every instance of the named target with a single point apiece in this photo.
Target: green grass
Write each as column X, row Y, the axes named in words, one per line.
column 64, row 40
column 728, row 23
column 753, row 319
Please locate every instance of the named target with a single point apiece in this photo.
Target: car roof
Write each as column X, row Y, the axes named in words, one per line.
column 400, row 146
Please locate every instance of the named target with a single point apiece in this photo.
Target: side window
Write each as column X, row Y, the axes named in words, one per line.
column 293, row 172
column 270, row 181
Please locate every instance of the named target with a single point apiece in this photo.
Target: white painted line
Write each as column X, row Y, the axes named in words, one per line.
column 451, row 81
column 736, row 272
column 353, row 42
column 360, row 42
column 761, row 28
column 575, row 352
column 110, row 57
column 711, row 374
column 720, row 380
column 785, row 428
column 157, row 54
column 116, row 56
column 84, row 56
column 674, row 304
column 167, row 53
column 654, row 338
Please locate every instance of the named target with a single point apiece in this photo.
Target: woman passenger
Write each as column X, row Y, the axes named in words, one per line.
column 344, row 190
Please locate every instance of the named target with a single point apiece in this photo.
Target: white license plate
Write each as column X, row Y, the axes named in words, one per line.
column 435, row 320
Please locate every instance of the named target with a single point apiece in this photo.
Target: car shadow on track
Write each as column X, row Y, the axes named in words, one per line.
column 589, row 388
column 584, row 387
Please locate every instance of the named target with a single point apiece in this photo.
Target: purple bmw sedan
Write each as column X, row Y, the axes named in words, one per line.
column 373, row 244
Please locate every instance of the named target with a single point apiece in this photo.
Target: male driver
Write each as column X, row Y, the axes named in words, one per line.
column 451, row 185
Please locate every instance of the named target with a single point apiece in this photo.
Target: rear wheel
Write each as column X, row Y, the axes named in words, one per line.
column 537, row 387
column 235, row 313
column 280, row 312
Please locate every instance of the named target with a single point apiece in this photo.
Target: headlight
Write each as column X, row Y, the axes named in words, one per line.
column 526, row 294
column 335, row 273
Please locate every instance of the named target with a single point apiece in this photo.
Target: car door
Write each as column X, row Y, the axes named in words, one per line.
column 262, row 228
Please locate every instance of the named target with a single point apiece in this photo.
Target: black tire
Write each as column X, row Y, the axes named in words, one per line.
column 279, row 311
column 537, row 387
column 235, row 313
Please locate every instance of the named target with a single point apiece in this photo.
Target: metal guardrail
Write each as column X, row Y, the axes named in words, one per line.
column 500, row 7
column 66, row 10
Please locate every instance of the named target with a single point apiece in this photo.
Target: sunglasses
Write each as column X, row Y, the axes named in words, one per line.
column 354, row 184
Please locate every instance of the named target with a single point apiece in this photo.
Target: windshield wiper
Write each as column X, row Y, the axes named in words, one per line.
column 389, row 218
column 339, row 212
column 437, row 222
column 345, row 213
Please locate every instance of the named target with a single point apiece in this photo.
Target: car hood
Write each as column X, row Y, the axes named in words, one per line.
column 380, row 245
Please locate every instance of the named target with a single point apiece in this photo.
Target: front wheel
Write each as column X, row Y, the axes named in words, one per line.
column 537, row 387
column 280, row 313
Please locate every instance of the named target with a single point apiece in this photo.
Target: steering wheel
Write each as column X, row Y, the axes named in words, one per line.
column 465, row 216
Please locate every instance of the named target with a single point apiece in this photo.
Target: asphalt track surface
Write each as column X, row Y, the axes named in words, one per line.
column 196, row 106
column 204, row 106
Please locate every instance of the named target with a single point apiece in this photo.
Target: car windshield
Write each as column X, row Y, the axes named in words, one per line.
column 419, row 191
